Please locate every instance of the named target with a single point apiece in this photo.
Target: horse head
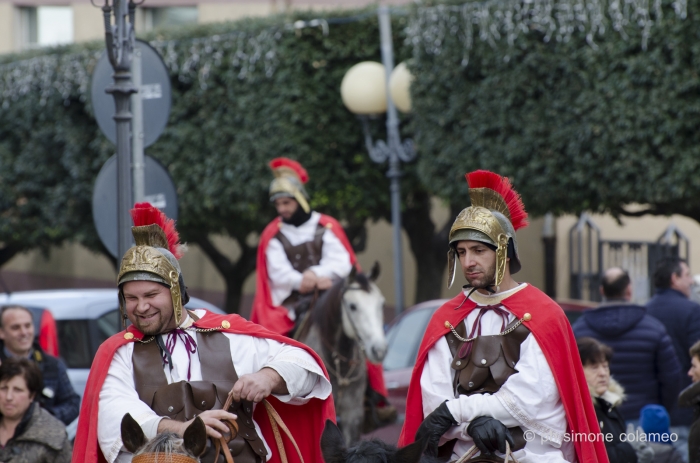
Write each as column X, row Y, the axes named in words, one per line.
column 373, row 451
column 363, row 313
column 170, row 446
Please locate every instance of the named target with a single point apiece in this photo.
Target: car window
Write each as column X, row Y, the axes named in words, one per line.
column 404, row 339
column 107, row 325
column 74, row 343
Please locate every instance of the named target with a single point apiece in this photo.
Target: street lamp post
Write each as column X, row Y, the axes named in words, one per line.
column 119, row 38
column 364, row 87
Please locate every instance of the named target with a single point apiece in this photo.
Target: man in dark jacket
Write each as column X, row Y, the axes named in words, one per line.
column 17, row 334
column 680, row 316
column 644, row 363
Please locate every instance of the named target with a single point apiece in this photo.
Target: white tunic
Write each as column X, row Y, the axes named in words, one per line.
column 304, row 378
column 334, row 263
column 529, row 399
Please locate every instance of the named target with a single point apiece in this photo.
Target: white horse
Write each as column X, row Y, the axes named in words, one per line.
column 346, row 328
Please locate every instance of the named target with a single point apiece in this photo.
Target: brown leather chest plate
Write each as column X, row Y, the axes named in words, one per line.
column 183, row 400
column 304, row 255
column 490, row 363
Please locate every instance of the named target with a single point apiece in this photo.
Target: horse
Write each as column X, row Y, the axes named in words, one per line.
column 346, row 326
column 166, row 447
column 372, row 451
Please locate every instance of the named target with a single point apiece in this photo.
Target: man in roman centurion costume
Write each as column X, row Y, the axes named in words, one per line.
column 172, row 365
column 301, row 253
column 498, row 368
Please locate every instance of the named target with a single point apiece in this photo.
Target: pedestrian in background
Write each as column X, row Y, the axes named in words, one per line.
column 681, row 317
column 655, row 422
column 645, row 363
column 18, row 340
column 28, row 433
column 690, row 397
column 607, row 394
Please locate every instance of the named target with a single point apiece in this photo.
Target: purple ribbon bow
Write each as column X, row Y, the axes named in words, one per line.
column 466, row 348
column 190, row 347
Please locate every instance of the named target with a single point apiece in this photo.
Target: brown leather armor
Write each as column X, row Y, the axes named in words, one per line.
column 183, row 400
column 302, row 256
column 488, row 365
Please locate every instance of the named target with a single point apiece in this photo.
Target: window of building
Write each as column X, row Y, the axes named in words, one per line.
column 155, row 18
column 45, row 26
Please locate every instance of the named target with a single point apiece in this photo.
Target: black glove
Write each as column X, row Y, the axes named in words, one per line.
column 489, row 435
column 434, row 426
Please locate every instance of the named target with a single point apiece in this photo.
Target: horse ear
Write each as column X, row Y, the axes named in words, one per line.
column 352, row 275
column 409, row 454
column 332, row 444
column 132, row 434
column 374, row 274
column 195, row 437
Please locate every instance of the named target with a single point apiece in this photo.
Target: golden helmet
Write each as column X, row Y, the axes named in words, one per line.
column 496, row 212
column 154, row 257
column 289, row 181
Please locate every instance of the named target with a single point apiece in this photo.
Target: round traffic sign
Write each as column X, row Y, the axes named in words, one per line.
column 155, row 93
column 160, row 191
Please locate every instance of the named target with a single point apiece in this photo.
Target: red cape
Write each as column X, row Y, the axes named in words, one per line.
column 306, row 422
column 552, row 331
column 275, row 318
column 264, row 312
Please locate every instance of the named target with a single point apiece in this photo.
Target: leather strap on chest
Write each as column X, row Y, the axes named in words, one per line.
column 490, row 362
column 183, row 400
column 304, row 255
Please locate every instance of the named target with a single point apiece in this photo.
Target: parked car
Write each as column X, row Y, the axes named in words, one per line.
column 84, row 319
column 404, row 335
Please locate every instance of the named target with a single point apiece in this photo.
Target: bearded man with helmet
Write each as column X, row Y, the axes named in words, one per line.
column 172, row 365
column 300, row 254
column 498, row 369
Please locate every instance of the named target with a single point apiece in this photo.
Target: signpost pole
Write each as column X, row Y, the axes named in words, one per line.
column 137, row 134
column 120, row 44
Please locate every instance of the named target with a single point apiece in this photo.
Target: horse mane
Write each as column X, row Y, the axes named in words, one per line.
column 166, row 443
column 377, row 451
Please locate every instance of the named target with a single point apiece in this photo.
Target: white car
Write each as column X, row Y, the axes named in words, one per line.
column 85, row 318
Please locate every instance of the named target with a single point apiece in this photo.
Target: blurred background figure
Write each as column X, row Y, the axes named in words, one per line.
column 17, row 339
column 690, row 397
column 695, row 289
column 645, row 362
column 607, row 394
column 681, row 317
column 656, row 423
column 28, row 433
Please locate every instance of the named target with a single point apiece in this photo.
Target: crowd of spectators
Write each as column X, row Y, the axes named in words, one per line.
column 653, row 354
column 37, row 400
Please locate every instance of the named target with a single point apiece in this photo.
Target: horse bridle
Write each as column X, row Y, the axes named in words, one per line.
column 337, row 358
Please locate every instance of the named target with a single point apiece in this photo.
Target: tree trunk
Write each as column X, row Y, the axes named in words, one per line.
column 7, row 253
column 233, row 273
column 428, row 245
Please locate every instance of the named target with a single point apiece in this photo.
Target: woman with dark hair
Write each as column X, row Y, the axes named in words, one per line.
column 28, row 433
column 607, row 394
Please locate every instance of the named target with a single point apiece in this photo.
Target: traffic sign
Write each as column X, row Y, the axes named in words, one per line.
column 155, row 92
column 160, row 191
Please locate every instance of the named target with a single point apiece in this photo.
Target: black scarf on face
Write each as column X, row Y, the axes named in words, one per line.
column 299, row 217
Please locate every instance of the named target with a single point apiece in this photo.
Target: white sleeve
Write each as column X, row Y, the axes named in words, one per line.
column 303, row 376
column 283, row 277
column 118, row 396
column 529, row 398
column 335, row 259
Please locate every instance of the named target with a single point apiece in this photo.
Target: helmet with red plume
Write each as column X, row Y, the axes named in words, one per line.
column 495, row 214
column 154, row 257
column 289, row 181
